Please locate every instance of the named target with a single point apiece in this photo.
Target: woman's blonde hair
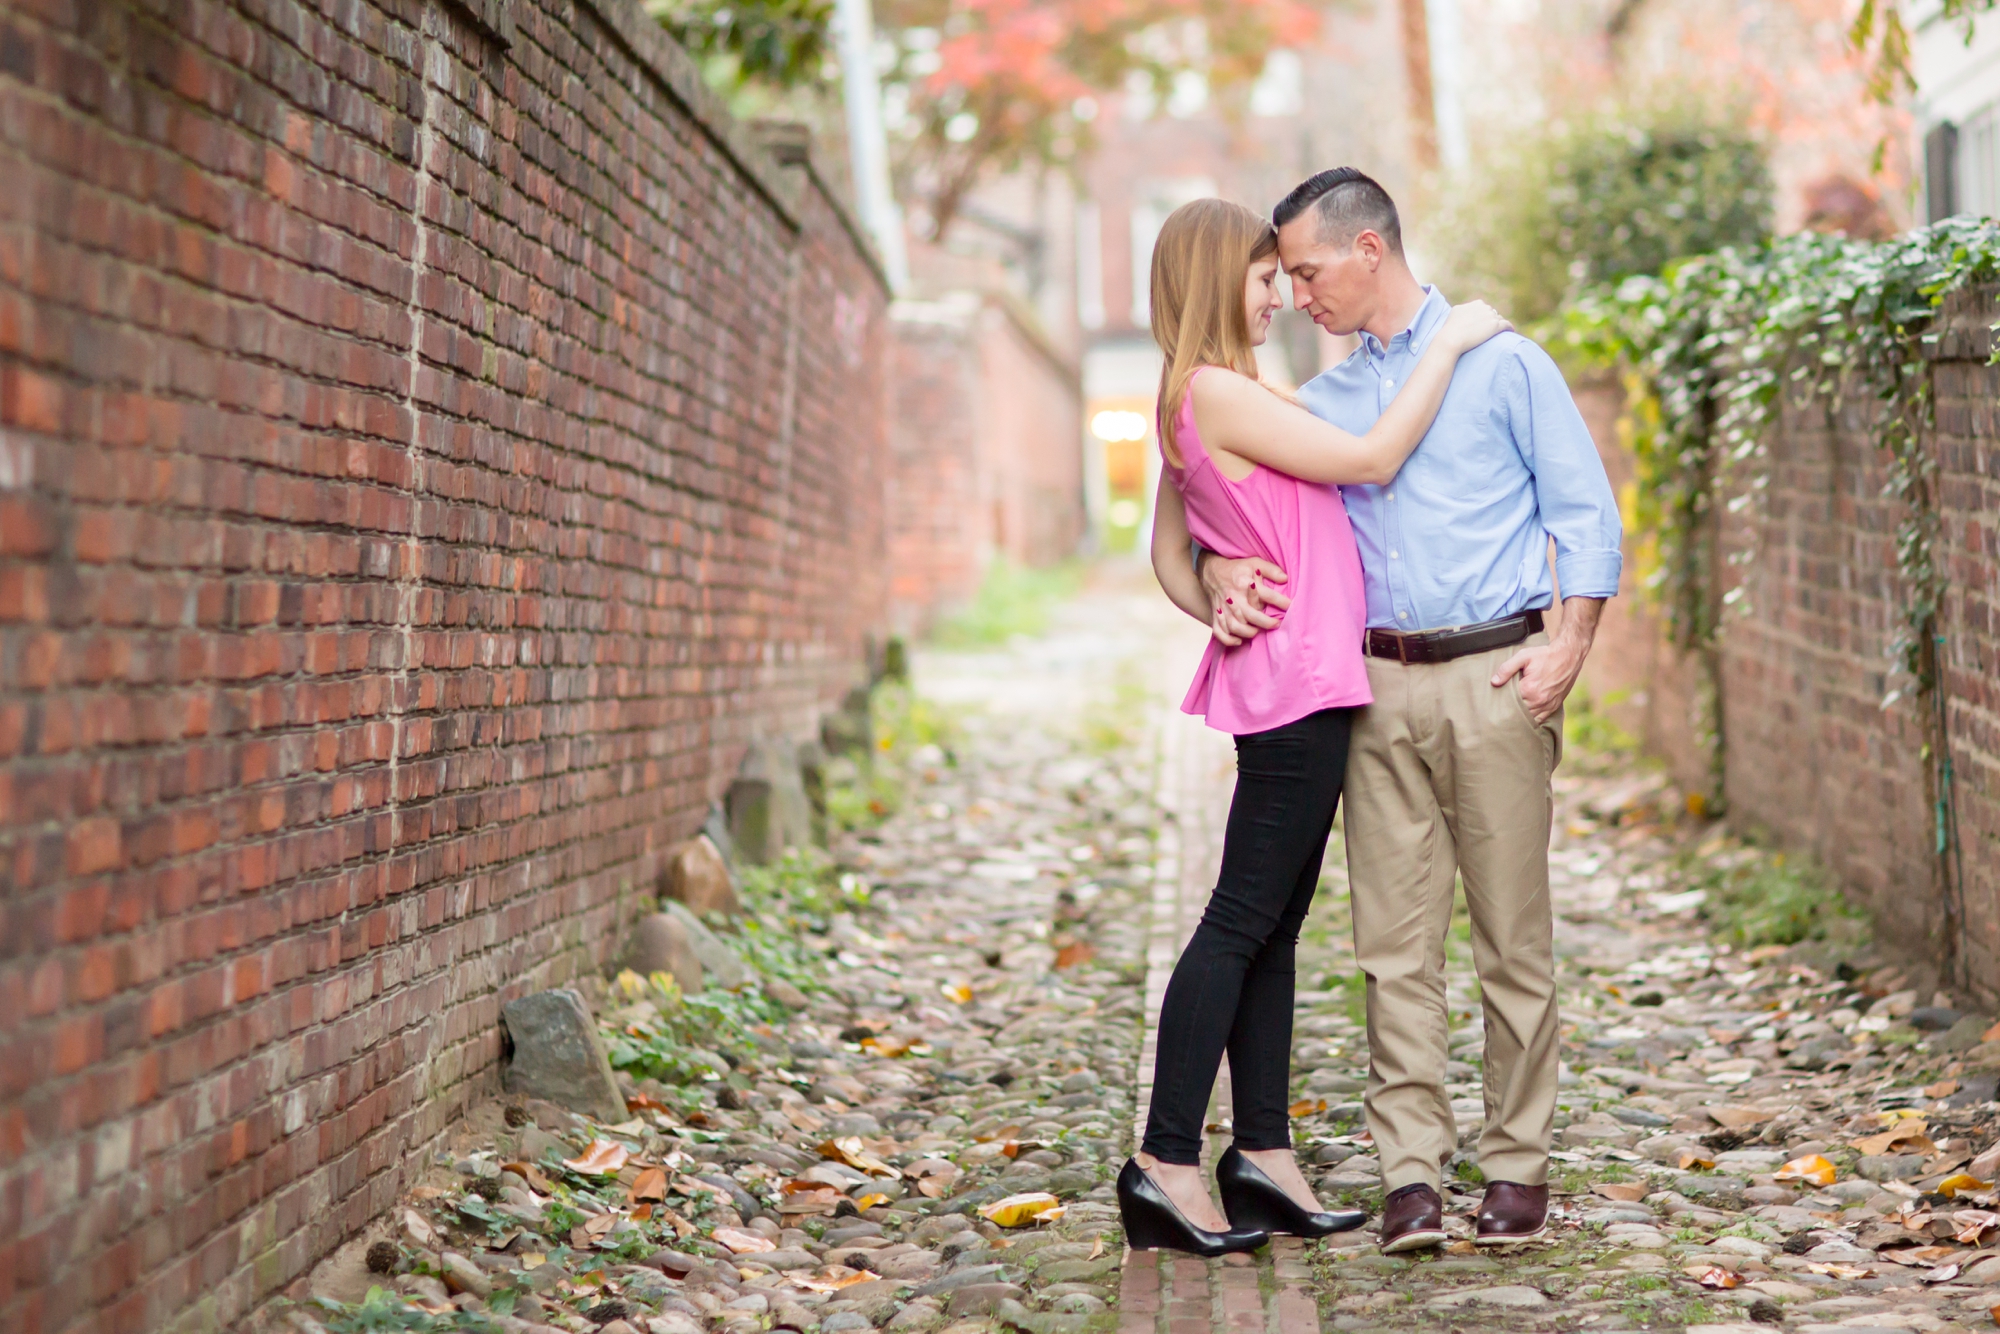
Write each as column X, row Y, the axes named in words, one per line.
column 1199, row 263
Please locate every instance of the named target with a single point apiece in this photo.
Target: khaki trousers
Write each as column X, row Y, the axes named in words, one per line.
column 1447, row 775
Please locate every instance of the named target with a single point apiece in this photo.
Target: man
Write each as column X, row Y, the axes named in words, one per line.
column 1448, row 770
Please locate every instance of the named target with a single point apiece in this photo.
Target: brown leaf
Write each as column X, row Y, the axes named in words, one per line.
column 832, row 1278
column 603, row 1158
column 1907, row 1134
column 1713, row 1276
column 741, row 1242
column 882, row 1046
column 1069, row 956
column 802, row 1119
column 1307, row 1107
column 1003, row 1133
column 1944, row 1088
column 849, row 1149
column 645, row 1102
column 531, row 1173
column 651, row 1184
column 1627, row 1191
column 1692, row 1157
column 1813, row 1168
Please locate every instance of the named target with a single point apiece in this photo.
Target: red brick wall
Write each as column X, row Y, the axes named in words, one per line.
column 987, row 431
column 1812, row 757
column 422, row 462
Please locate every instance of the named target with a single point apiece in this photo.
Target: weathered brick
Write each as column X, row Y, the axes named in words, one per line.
column 366, row 631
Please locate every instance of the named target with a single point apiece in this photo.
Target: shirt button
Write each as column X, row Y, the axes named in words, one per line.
column 1388, row 384
column 1395, row 555
column 1402, row 616
column 1392, row 495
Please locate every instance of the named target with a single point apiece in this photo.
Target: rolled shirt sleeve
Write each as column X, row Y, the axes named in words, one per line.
column 1577, row 506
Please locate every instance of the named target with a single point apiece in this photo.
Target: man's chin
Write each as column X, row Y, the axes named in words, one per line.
column 1332, row 326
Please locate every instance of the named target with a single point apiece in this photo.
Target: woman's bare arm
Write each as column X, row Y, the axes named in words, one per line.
column 1236, row 416
column 1172, row 563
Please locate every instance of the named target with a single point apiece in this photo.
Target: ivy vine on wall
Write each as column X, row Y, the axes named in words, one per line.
column 1710, row 349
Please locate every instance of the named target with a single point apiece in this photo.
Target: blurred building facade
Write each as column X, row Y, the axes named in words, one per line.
column 1957, row 113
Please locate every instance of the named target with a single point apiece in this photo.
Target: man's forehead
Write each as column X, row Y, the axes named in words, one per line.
column 1298, row 246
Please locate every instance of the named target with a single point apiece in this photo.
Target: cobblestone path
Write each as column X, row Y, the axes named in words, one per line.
column 946, row 1035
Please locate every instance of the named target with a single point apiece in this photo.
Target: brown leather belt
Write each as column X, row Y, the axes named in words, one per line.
column 1460, row 642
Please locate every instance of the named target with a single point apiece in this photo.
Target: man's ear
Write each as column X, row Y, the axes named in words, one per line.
column 1368, row 244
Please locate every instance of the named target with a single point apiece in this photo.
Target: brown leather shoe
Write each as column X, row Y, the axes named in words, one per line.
column 1512, row 1213
column 1412, row 1219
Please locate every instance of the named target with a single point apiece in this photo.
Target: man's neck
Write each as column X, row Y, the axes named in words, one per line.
column 1402, row 298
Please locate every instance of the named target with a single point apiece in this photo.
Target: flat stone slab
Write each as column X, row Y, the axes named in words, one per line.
column 1513, row 1296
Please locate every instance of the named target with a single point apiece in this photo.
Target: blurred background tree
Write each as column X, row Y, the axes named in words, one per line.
column 976, row 87
column 1591, row 200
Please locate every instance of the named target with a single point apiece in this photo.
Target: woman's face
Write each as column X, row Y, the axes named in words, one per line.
column 1261, row 298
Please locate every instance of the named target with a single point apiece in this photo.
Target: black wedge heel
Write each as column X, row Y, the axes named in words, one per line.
column 1253, row 1200
column 1153, row 1222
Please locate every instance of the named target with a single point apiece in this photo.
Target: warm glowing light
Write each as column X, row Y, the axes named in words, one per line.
column 1123, row 514
column 1114, row 424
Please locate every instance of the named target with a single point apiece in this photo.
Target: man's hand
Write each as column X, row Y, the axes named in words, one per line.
column 1548, row 671
column 1242, row 594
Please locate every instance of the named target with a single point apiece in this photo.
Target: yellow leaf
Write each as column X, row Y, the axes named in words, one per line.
column 1959, row 1181
column 1691, row 1157
column 1813, row 1167
column 870, row 1200
column 1033, row 1207
column 890, row 1047
column 957, row 991
column 602, row 1158
column 1307, row 1107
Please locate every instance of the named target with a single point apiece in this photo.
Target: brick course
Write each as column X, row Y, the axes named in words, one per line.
column 432, row 439
column 1812, row 757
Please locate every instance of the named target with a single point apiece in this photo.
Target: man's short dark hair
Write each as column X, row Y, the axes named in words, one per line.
column 1346, row 201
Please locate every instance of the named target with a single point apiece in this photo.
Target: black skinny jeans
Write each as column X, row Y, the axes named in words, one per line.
column 1232, row 988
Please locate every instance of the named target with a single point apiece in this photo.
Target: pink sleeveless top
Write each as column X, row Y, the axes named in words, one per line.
column 1312, row 659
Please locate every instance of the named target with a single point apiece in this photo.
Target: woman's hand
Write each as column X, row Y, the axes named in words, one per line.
column 1471, row 324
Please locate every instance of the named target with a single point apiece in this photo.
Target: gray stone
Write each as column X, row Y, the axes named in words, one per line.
column 1933, row 1018
column 698, row 876
column 1967, row 1032
column 767, row 804
column 959, row 1278
column 556, row 1055
column 854, row 1123
column 845, row 1320
column 663, row 944
column 1512, row 1296
column 718, row 961
column 981, row 1299
column 1891, row 1166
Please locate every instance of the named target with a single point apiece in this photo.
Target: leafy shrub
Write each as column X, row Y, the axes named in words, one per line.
column 1587, row 202
column 1012, row 600
column 1768, row 900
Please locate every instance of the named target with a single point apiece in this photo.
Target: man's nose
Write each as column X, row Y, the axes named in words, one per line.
column 1301, row 298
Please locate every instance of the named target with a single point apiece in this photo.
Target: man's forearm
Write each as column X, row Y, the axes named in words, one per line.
column 1578, row 629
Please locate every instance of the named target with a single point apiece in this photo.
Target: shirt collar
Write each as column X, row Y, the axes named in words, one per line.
column 1414, row 339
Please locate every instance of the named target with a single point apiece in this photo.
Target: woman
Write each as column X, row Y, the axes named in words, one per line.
column 1246, row 474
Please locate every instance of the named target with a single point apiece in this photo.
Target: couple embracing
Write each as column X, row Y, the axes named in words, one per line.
column 1373, row 563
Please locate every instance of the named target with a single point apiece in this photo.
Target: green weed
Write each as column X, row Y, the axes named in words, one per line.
column 1012, row 600
column 1767, row 899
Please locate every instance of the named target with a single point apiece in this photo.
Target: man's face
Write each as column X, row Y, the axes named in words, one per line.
column 1334, row 284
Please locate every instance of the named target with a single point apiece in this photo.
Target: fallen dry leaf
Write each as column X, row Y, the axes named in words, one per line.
column 651, row 1184
column 890, row 1047
column 1841, row 1271
column 832, row 1278
column 1944, row 1088
column 537, row 1179
column 870, row 1200
column 1920, row 1256
column 1003, row 1133
column 1307, row 1107
column 1971, row 1225
column 957, row 992
column 1736, row 1118
column 1959, row 1181
column 802, row 1119
column 1628, row 1191
column 1942, row 1274
column 740, row 1242
column 1908, row 1135
column 1813, row 1167
column 1096, row 1249
column 603, row 1158
column 1713, row 1276
column 1692, row 1157
column 1033, row 1207
column 1069, row 956
column 849, row 1149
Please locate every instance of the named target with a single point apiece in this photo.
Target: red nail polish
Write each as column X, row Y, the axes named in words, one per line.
column 1230, row 601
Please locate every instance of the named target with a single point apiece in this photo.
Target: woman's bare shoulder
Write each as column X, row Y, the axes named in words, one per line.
column 1219, row 384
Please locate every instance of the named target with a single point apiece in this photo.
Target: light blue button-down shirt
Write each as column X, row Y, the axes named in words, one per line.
column 1462, row 535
